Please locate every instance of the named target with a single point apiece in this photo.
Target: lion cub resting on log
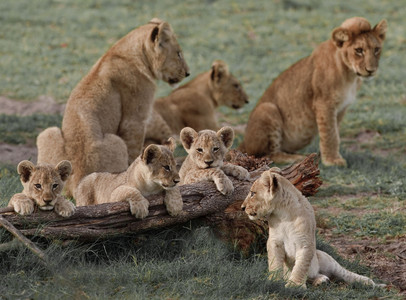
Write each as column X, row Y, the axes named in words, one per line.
column 205, row 161
column 292, row 232
column 193, row 104
column 43, row 185
column 152, row 172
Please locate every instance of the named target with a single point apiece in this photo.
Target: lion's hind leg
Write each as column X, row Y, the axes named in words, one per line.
column 50, row 144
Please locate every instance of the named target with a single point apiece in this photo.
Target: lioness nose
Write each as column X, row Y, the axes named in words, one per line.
column 187, row 74
column 209, row 162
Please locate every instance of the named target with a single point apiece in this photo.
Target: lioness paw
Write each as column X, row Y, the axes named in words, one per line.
column 64, row 208
column 139, row 208
column 225, row 186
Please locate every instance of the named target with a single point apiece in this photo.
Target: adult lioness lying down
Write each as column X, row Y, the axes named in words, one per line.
column 103, row 126
column 193, row 104
column 313, row 95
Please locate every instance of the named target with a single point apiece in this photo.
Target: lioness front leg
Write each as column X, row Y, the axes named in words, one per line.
column 64, row 207
column 138, row 204
column 329, row 137
column 236, row 171
column 173, row 201
column 22, row 204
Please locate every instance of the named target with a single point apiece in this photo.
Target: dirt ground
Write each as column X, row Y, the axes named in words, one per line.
column 386, row 260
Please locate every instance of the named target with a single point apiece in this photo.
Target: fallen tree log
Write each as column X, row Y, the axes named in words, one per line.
column 201, row 200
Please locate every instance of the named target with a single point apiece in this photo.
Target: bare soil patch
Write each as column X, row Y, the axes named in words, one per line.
column 44, row 105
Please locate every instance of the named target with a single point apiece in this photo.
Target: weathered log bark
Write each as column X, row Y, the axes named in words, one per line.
column 201, row 200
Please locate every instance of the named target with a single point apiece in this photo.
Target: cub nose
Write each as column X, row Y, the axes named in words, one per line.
column 47, row 201
column 187, row 74
column 209, row 162
column 176, row 180
column 370, row 71
column 243, row 208
column 247, row 101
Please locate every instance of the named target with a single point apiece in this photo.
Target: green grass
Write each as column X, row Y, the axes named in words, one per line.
column 47, row 46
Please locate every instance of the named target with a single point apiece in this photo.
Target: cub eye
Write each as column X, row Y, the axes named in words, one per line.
column 236, row 85
column 167, row 168
column 215, row 149
column 377, row 50
column 200, row 150
column 179, row 55
column 359, row 50
column 37, row 186
column 54, row 186
column 252, row 194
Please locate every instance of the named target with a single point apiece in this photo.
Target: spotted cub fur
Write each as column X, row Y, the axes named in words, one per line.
column 205, row 161
column 152, row 172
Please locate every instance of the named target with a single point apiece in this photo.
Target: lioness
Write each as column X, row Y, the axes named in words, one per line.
column 152, row 172
column 205, row 161
column 43, row 185
column 104, row 122
column 292, row 232
column 193, row 104
column 313, row 95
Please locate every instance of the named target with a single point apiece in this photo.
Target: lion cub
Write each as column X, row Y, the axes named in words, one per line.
column 292, row 232
column 43, row 185
column 206, row 151
column 194, row 103
column 312, row 95
column 152, row 172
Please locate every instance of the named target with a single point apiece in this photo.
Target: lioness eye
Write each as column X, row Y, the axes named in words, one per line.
column 37, row 185
column 359, row 50
column 200, row 150
column 167, row 168
column 54, row 186
column 215, row 149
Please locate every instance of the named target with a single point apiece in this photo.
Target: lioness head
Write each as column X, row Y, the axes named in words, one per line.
column 161, row 163
column 360, row 45
column 165, row 54
column 264, row 196
column 207, row 148
column 43, row 182
column 227, row 90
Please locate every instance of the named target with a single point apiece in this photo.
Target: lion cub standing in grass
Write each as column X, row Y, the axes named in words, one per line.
column 43, row 185
column 292, row 232
column 205, row 161
column 313, row 95
column 193, row 104
column 152, row 172
column 103, row 126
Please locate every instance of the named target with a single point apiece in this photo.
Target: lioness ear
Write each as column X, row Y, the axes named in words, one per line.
column 151, row 153
column 226, row 135
column 340, row 35
column 170, row 143
column 25, row 169
column 64, row 168
column 188, row 136
column 219, row 70
column 380, row 29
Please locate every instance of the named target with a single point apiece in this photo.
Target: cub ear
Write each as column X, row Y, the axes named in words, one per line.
column 188, row 136
column 270, row 181
column 170, row 143
column 219, row 70
column 380, row 29
column 64, row 168
column 226, row 135
column 151, row 153
column 340, row 36
column 162, row 33
column 25, row 169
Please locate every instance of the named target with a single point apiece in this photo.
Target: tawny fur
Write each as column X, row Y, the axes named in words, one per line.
column 292, row 233
column 312, row 95
column 42, row 185
column 194, row 104
column 205, row 161
column 104, row 123
column 152, row 172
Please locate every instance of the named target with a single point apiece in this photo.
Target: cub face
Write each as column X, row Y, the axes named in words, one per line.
column 168, row 60
column 359, row 45
column 161, row 163
column 44, row 183
column 262, row 198
column 207, row 148
column 226, row 88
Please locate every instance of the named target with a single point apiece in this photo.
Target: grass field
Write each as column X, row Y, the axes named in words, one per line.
column 46, row 47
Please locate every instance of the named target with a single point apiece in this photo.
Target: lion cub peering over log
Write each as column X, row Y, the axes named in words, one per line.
column 103, row 126
column 152, row 172
column 313, row 95
column 193, row 104
column 43, row 185
column 292, row 232
column 205, row 161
